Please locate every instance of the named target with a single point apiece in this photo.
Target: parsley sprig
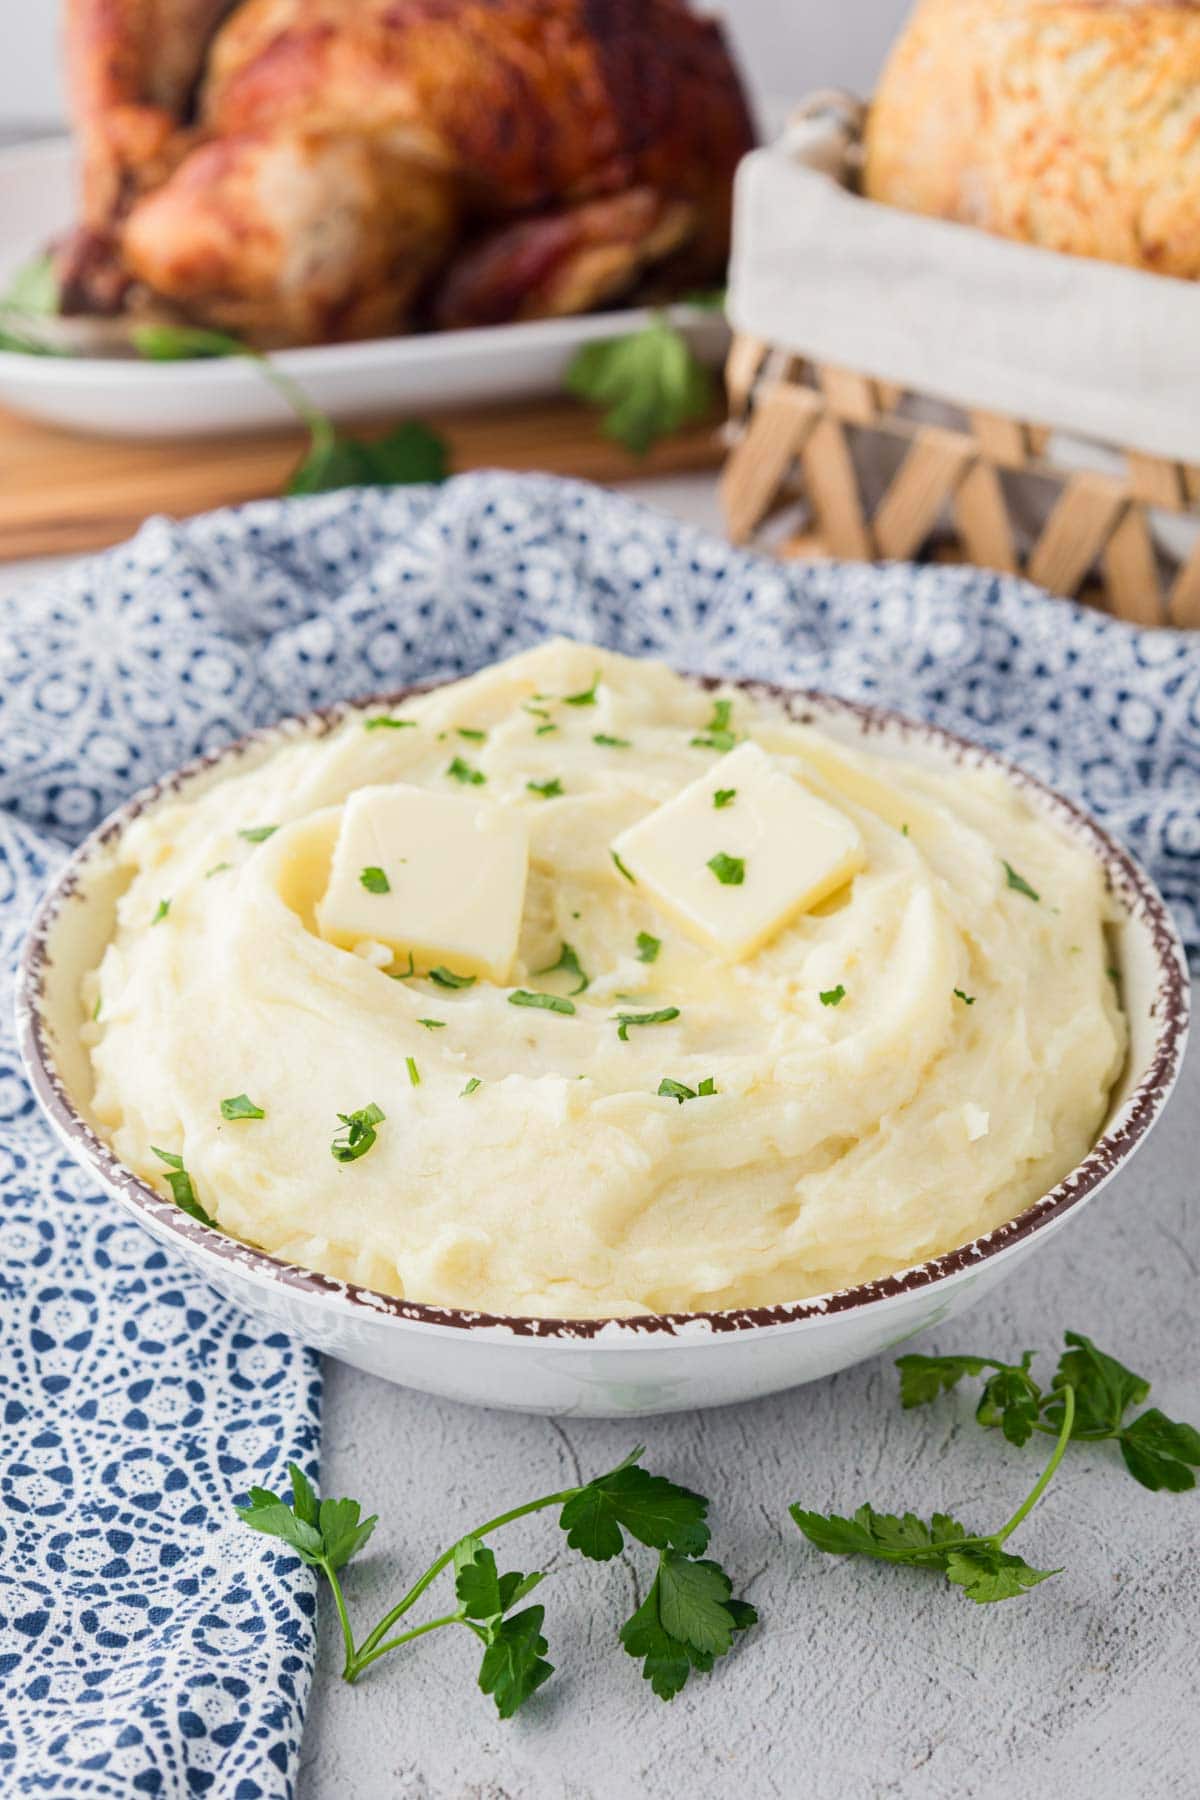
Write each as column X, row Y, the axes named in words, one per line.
column 688, row 1618
column 977, row 1562
column 649, row 383
column 1157, row 1451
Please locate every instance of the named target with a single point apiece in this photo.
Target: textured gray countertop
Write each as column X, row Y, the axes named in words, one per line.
column 860, row 1680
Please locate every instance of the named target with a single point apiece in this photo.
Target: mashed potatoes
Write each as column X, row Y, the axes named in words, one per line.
column 890, row 1075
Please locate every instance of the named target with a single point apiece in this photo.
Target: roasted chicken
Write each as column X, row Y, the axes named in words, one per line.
column 301, row 171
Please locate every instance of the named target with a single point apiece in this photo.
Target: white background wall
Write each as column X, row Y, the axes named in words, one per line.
column 786, row 47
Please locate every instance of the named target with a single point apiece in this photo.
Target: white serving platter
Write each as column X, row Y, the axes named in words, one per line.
column 385, row 377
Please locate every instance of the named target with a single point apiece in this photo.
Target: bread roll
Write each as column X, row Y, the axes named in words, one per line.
column 1073, row 124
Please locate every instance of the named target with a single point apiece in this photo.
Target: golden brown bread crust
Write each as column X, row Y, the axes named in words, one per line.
column 347, row 153
column 1073, row 124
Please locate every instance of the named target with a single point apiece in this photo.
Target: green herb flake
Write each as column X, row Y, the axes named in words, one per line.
column 161, row 911
column 461, row 771
column 967, row 999
column 414, row 1074
column 549, row 790
column 730, row 871
column 448, row 979
column 357, row 1133
column 432, row 1024
column 620, row 866
column 608, row 742
column 472, row 735
column 568, row 962
column 543, row 729
column 663, row 1016
column 717, row 734
column 180, row 1184
column 724, row 797
column 241, row 1107
column 587, row 697
column 257, row 834
column 547, row 1002
column 648, row 947
column 96, row 1011
column 217, row 869
column 374, row 880
column 384, row 722
column 1018, row 883
column 832, row 996
column 471, row 1087
column 676, row 1090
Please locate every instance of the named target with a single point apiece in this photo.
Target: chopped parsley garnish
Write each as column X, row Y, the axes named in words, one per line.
column 375, row 881
column 730, row 871
column 461, row 771
column 447, row 978
column 96, row 1011
column 217, row 869
column 472, row 736
column 648, row 947
column 163, row 908
column 381, row 722
column 414, row 1074
column 241, row 1107
column 662, row 1017
column 180, row 1184
column 716, row 734
column 967, row 999
column 543, row 729
column 357, row 1133
column 432, row 1024
column 470, row 1087
column 403, row 974
column 547, row 1002
column 549, row 790
column 832, row 996
column 724, row 797
column 585, row 698
column 257, row 834
column 539, row 712
column 608, row 742
column 621, row 866
column 1018, row 883
column 569, row 963
column 675, row 1090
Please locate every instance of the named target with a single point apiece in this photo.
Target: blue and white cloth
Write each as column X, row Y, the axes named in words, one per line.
column 149, row 1645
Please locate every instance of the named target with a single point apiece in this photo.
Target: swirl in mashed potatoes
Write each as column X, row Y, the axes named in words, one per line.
column 894, row 1072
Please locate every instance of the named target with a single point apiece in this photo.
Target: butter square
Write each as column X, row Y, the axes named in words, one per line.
column 794, row 850
column 455, row 869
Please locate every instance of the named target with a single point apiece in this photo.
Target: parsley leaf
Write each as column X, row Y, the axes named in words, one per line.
column 730, row 871
column 472, row 1084
column 1018, row 883
column 161, row 911
column 650, row 382
column 384, row 722
column 549, row 790
column 585, row 696
column 514, row 1663
column 357, row 1133
column 611, row 743
column 650, row 1508
column 648, row 947
column 461, row 771
column 325, row 1534
column 675, row 1090
column 547, row 1002
column 569, row 963
column 1104, row 1388
column 832, row 996
column 472, row 736
column 620, row 866
column 1157, row 1450
column 180, row 1184
column 448, row 979
column 723, row 797
column 375, row 881
column 662, row 1017
column 241, row 1107
column 687, row 1619
column 257, row 834
column 432, row 1024
column 967, row 999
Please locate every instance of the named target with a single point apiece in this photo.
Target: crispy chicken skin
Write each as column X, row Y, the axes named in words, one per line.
column 309, row 170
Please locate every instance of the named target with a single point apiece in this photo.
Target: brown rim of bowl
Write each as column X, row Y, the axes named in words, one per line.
column 1124, row 875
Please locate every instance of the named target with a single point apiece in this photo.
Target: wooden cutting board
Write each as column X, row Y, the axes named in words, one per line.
column 61, row 492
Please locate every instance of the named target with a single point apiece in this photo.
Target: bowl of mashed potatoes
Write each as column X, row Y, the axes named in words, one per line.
column 585, row 1037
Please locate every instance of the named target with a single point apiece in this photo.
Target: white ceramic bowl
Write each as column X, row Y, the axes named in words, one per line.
column 592, row 1367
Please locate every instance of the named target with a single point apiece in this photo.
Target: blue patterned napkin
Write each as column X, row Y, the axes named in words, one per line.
column 148, row 1644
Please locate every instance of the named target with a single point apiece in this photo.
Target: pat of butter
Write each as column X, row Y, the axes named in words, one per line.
column 793, row 849
column 454, row 870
